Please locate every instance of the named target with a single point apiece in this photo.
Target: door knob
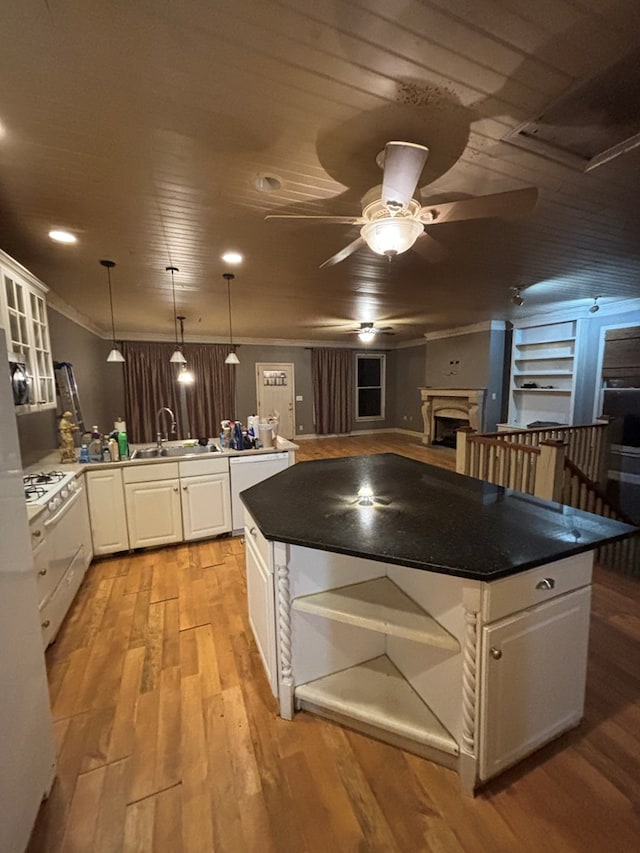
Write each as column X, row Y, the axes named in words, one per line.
column 496, row 654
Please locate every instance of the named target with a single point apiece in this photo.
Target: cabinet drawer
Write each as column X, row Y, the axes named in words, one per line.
column 543, row 583
column 253, row 534
column 146, row 473
column 209, row 465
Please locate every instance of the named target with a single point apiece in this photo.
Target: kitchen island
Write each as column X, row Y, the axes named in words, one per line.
column 437, row 612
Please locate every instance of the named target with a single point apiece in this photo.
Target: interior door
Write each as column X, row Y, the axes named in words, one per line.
column 275, row 393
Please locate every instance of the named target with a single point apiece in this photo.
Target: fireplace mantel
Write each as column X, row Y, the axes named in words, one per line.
column 462, row 403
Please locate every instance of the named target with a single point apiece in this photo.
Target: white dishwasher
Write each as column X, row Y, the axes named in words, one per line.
column 245, row 472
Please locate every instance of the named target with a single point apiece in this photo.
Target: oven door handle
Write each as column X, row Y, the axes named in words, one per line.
column 67, row 506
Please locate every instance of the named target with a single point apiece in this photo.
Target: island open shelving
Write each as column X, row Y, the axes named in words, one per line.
column 432, row 619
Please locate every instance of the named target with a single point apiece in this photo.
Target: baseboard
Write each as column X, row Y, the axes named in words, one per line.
column 356, row 432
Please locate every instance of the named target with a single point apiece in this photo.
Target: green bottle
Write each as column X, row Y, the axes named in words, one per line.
column 123, row 446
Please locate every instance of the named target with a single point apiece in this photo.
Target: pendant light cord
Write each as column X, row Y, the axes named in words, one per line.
column 229, row 276
column 113, row 325
column 173, row 290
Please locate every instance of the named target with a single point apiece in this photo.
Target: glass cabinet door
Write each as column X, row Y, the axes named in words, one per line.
column 42, row 350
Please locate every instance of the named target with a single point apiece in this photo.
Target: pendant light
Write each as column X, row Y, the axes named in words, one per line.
column 177, row 357
column 115, row 356
column 185, row 375
column 232, row 358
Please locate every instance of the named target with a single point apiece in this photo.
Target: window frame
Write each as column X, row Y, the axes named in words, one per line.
column 381, row 357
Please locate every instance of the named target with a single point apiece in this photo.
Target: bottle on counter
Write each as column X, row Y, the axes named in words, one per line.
column 84, row 447
column 95, row 445
column 114, row 450
column 106, row 453
column 123, row 446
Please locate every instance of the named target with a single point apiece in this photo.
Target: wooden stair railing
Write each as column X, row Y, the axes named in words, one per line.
column 546, row 472
column 582, row 493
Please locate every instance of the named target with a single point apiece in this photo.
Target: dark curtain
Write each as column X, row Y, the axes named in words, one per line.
column 332, row 377
column 150, row 382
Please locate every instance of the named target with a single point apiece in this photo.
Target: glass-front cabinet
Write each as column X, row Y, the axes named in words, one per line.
column 23, row 315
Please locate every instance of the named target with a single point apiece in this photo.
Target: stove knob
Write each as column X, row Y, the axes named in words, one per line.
column 53, row 503
column 64, row 494
column 73, row 485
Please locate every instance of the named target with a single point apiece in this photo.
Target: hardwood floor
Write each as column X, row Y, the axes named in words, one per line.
column 168, row 738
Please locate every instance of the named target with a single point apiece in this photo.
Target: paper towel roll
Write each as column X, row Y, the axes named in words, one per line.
column 120, row 426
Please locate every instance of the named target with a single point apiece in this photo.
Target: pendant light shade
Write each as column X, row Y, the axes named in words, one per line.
column 185, row 375
column 115, row 356
column 232, row 358
column 177, row 357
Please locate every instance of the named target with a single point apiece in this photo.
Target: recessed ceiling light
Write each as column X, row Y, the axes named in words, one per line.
column 232, row 258
column 62, row 236
column 267, row 183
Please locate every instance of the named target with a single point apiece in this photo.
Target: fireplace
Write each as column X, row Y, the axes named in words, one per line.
column 446, row 409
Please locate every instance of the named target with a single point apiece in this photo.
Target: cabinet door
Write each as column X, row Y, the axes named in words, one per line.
column 107, row 511
column 153, row 513
column 260, row 595
column 533, row 673
column 206, row 505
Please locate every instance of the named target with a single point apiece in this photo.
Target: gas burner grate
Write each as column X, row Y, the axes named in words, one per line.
column 42, row 478
column 33, row 493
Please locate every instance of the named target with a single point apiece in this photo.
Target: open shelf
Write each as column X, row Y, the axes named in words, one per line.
column 376, row 694
column 378, row 605
column 542, row 390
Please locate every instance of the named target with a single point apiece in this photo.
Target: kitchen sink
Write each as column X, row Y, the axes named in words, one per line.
column 171, row 451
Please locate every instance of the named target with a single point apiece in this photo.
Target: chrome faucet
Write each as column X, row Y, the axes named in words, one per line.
column 160, row 437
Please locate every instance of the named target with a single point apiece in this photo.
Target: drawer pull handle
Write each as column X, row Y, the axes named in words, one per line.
column 546, row 583
column 496, row 654
column 253, row 531
column 42, row 572
column 46, row 623
column 37, row 533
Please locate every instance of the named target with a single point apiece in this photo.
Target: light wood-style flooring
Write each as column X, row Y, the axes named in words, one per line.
column 168, row 737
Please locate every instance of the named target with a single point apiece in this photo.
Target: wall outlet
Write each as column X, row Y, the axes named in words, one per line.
column 493, row 395
column 300, row 427
column 299, row 398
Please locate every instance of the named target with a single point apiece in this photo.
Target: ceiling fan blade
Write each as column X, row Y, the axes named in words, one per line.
column 513, row 203
column 403, row 164
column 430, row 249
column 344, row 253
column 343, row 220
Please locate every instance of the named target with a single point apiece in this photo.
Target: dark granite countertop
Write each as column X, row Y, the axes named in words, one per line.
column 420, row 516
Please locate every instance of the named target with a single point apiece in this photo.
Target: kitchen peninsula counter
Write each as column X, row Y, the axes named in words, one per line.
column 428, row 609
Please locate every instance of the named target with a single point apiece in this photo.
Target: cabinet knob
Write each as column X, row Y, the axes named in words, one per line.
column 46, row 623
column 253, row 531
column 175, row 488
column 42, row 572
column 37, row 533
column 185, row 488
column 546, row 583
column 496, row 654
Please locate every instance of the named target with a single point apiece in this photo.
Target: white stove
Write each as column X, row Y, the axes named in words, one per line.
column 48, row 489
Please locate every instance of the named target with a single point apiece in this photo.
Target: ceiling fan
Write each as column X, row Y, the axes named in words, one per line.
column 392, row 219
column 367, row 331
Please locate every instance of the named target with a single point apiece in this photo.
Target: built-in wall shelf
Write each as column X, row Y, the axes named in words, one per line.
column 541, row 353
column 375, row 694
column 378, row 605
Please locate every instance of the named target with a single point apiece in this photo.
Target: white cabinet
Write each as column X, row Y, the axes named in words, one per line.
column 533, row 679
column 23, row 313
column 152, row 496
column 206, row 502
column 543, row 374
column 247, row 470
column 261, row 604
column 107, row 511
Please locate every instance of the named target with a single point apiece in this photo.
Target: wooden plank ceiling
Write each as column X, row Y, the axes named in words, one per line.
column 142, row 127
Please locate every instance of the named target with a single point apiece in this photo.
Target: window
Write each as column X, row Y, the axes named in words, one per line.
column 370, row 387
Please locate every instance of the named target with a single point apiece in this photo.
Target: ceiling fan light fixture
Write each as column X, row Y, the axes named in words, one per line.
column 367, row 335
column 391, row 236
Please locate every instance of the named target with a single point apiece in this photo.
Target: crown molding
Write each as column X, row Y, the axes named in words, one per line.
column 68, row 311
column 579, row 312
column 486, row 326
